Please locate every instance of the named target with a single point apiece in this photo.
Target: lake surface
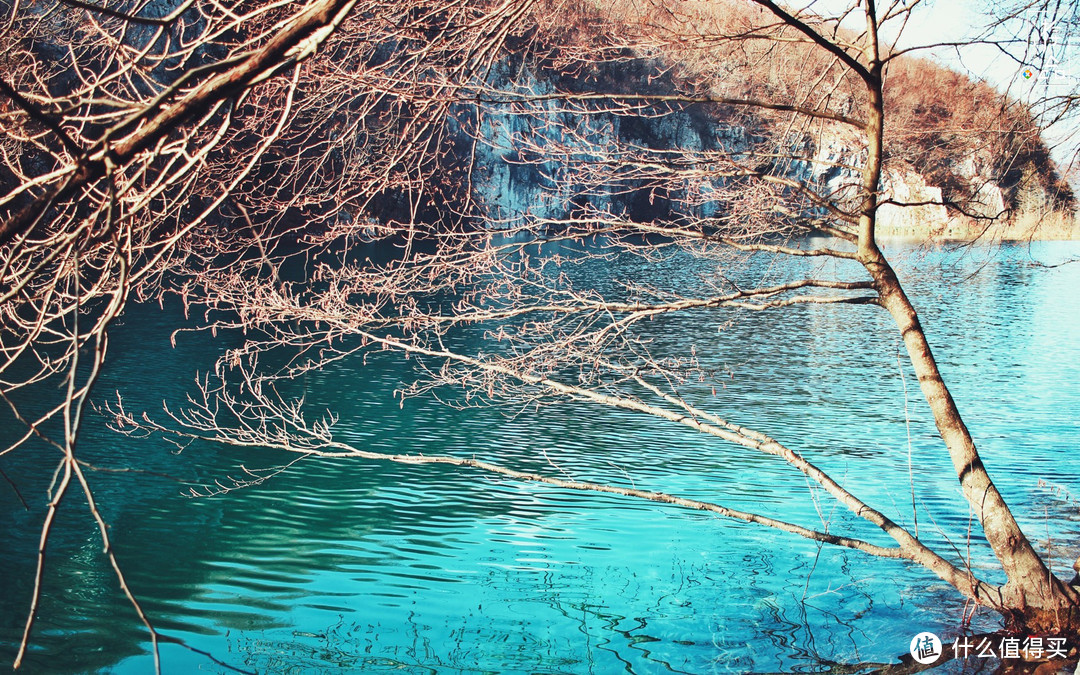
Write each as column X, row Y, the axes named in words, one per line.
column 338, row 566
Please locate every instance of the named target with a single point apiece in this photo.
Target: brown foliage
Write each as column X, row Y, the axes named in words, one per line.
column 955, row 131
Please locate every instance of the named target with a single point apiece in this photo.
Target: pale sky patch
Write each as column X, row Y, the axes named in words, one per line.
column 939, row 22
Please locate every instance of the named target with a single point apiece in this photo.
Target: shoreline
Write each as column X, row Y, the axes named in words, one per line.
column 1053, row 226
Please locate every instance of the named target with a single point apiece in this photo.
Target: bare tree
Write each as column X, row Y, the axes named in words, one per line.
column 183, row 137
column 205, row 152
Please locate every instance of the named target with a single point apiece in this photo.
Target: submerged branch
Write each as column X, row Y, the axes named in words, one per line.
column 316, row 445
column 267, row 422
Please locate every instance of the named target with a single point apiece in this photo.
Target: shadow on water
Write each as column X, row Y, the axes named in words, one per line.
column 341, row 565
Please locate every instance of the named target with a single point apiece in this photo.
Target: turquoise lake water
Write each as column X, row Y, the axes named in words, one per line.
column 339, row 566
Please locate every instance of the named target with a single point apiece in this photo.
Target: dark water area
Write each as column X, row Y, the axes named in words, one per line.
column 346, row 565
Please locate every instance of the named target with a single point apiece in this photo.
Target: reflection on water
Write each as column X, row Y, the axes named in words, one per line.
column 336, row 566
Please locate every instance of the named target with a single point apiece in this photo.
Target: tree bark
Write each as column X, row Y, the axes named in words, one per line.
column 1035, row 599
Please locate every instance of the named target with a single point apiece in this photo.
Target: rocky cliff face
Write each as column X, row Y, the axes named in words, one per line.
column 547, row 158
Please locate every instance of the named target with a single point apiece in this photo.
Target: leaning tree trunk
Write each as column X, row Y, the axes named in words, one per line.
column 1033, row 599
